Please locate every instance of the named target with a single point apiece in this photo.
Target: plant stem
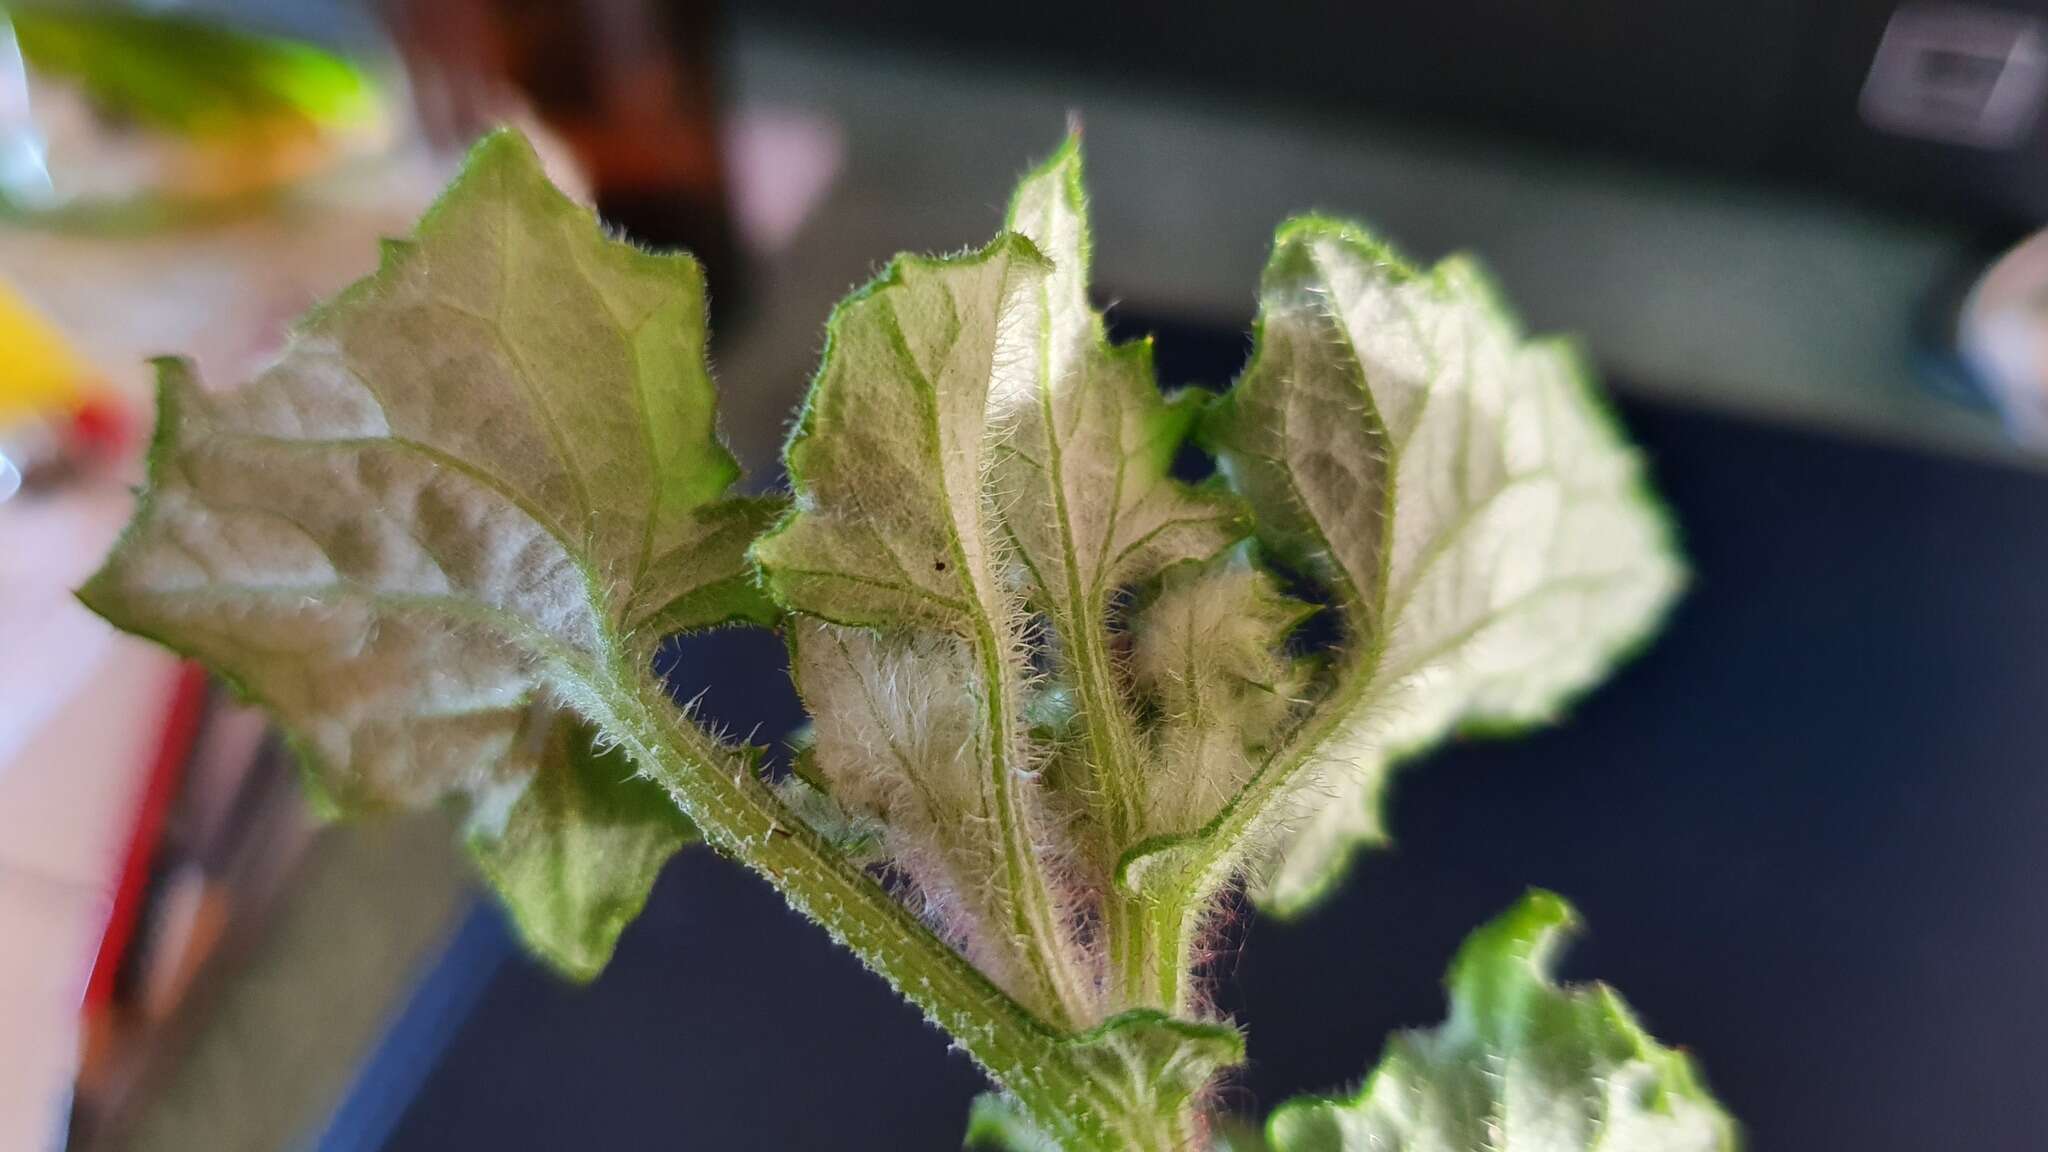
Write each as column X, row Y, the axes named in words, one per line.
column 1124, row 920
column 1037, row 915
column 1134, row 981
column 1214, row 855
column 1113, row 747
column 741, row 817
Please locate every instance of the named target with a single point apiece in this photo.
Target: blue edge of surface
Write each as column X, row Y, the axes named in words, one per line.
column 392, row 1075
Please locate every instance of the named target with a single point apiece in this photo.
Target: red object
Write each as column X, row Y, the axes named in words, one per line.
column 174, row 750
column 102, row 427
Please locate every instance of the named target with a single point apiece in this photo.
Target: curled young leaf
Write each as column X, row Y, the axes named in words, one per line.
column 1210, row 651
column 900, row 739
column 1155, row 1064
column 1483, row 528
column 921, row 718
column 477, row 484
column 1093, row 506
column 996, row 1124
column 1149, row 1063
column 1522, row 1065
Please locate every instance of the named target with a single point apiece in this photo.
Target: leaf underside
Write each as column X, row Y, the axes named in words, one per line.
column 1056, row 693
column 1482, row 527
column 979, row 473
column 473, row 484
column 581, row 847
column 1522, row 1065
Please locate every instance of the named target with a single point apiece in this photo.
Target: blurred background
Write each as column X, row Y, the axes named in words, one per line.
column 1808, row 828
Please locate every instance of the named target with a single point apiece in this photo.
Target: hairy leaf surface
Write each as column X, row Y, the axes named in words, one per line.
column 582, row 845
column 1151, row 1063
column 979, row 474
column 1522, row 1065
column 1481, row 524
column 1093, row 506
column 900, row 738
column 1210, row 651
column 472, row 485
column 918, row 694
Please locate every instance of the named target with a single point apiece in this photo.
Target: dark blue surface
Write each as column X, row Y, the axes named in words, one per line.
column 1809, row 830
column 412, row 1047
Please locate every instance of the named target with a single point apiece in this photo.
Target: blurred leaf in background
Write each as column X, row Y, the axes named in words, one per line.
column 110, row 115
column 190, row 76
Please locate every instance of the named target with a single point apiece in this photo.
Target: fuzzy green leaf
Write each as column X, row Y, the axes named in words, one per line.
column 1522, row 1065
column 1482, row 525
column 1209, row 650
column 476, row 483
column 893, row 525
column 900, row 740
column 1092, row 502
column 855, row 835
column 1157, row 1063
column 917, row 685
column 1093, row 507
column 978, row 475
column 579, row 851
column 1151, row 1063
column 996, row 1124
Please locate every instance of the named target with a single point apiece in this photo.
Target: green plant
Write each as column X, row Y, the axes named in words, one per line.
column 187, row 75
column 1060, row 699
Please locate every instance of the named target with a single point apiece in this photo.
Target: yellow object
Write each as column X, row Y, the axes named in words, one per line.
column 39, row 372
